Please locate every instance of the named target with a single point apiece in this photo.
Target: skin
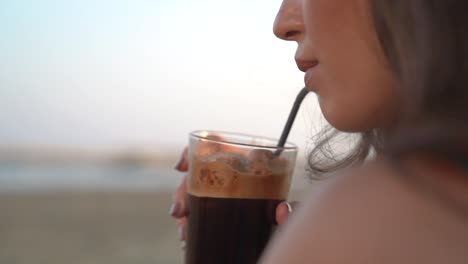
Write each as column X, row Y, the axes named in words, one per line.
column 179, row 209
column 357, row 217
column 340, row 86
column 369, row 214
column 354, row 85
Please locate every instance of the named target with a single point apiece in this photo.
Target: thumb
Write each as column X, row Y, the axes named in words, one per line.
column 179, row 205
column 182, row 164
column 283, row 210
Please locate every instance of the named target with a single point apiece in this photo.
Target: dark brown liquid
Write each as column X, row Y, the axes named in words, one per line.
column 228, row 230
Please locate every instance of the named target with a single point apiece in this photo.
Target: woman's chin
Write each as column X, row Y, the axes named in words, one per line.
column 347, row 126
column 346, row 121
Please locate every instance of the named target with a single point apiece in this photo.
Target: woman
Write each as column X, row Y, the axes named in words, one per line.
column 396, row 72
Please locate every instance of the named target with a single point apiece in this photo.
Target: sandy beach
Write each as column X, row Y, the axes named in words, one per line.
column 88, row 228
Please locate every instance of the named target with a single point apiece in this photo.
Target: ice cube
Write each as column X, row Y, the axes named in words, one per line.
column 215, row 174
column 207, row 148
column 278, row 164
column 260, row 155
column 258, row 160
column 234, row 160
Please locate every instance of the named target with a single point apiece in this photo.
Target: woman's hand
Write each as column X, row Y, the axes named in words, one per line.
column 179, row 208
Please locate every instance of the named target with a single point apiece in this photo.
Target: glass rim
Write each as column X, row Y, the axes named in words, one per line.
column 197, row 134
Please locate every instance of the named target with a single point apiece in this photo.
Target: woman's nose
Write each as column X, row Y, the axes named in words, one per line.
column 289, row 24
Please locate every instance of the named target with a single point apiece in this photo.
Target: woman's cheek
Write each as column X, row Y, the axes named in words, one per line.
column 343, row 110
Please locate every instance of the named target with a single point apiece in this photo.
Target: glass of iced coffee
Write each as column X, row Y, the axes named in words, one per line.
column 234, row 184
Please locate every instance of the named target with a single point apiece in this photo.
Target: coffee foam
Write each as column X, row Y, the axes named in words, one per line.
column 228, row 175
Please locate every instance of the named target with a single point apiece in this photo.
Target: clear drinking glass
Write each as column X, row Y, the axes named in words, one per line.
column 234, row 184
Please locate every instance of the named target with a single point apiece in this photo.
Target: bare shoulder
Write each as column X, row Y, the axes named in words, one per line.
column 369, row 215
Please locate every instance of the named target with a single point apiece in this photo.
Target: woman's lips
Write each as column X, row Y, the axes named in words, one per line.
column 307, row 66
column 308, row 78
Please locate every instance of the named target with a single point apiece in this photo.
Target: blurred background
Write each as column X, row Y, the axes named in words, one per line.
column 97, row 98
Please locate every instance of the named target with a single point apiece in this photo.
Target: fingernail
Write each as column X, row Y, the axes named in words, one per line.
column 289, row 207
column 182, row 163
column 175, row 209
column 182, row 245
column 178, row 166
column 181, row 231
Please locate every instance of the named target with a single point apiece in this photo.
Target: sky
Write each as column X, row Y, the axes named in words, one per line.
column 123, row 73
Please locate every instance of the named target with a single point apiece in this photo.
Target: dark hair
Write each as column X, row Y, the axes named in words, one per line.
column 426, row 45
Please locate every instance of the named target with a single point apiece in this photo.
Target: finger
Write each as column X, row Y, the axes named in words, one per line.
column 182, row 164
column 282, row 213
column 181, row 228
column 284, row 210
column 179, row 204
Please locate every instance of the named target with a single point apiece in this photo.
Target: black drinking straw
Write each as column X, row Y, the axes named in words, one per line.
column 292, row 116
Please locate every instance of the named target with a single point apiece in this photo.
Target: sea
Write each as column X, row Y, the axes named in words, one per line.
column 24, row 177
column 58, row 177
